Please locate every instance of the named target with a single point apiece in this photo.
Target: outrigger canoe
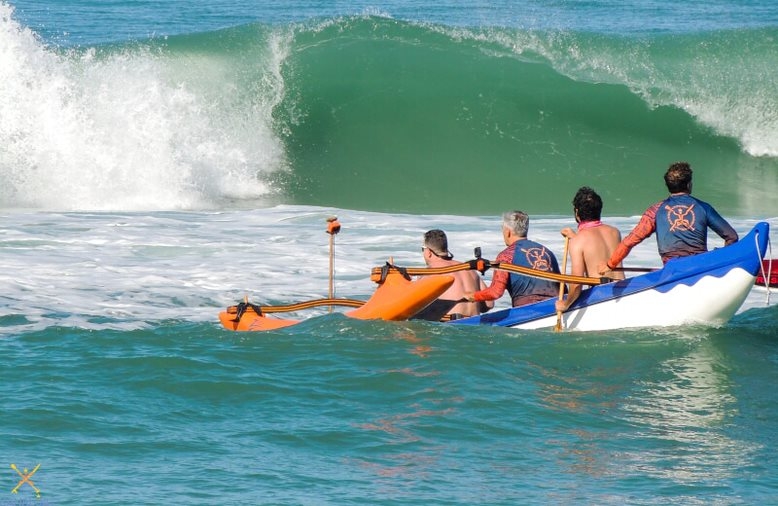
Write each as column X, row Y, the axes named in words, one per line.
column 705, row 289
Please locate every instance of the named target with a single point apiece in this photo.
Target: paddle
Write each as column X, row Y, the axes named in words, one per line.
column 482, row 265
column 558, row 326
column 634, row 269
column 333, row 227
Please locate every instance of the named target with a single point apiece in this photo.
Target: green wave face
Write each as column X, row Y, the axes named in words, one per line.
column 393, row 116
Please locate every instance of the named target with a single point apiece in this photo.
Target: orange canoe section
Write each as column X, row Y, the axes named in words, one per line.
column 395, row 299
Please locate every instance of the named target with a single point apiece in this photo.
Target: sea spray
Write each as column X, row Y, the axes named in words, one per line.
column 133, row 127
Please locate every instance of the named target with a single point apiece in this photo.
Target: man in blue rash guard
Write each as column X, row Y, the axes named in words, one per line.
column 680, row 221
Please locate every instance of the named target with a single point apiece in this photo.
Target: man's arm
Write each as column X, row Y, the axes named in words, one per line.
column 645, row 227
column 486, row 305
column 499, row 281
column 495, row 290
column 721, row 227
column 577, row 268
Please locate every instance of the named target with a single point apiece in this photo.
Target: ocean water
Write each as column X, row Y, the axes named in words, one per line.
column 161, row 161
column 456, row 109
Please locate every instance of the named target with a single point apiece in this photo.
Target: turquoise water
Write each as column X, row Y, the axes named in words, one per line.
column 161, row 161
column 119, row 381
column 375, row 413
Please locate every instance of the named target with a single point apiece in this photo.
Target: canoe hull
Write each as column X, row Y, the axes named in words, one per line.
column 683, row 305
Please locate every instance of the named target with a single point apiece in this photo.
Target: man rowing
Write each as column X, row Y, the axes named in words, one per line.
column 680, row 221
column 523, row 252
column 594, row 243
column 436, row 254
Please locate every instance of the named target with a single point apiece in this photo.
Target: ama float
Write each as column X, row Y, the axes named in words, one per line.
column 705, row 289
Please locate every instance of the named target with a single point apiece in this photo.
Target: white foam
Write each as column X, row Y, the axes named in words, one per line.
column 135, row 270
column 132, row 129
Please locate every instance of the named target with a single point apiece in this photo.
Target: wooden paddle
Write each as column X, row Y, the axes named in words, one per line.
column 333, row 227
column 635, row 269
column 558, row 326
column 375, row 273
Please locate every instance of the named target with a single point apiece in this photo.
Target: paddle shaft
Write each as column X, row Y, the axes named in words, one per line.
column 634, row 269
column 333, row 227
column 332, row 266
column 558, row 326
column 518, row 269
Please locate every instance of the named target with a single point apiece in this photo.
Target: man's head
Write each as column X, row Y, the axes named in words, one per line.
column 587, row 204
column 517, row 222
column 678, row 178
column 436, row 242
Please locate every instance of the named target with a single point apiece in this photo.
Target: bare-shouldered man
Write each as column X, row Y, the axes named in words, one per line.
column 594, row 243
column 436, row 254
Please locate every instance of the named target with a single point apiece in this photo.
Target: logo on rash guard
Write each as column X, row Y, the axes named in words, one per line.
column 538, row 258
column 680, row 218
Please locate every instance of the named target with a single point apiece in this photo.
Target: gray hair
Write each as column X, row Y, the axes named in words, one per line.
column 517, row 221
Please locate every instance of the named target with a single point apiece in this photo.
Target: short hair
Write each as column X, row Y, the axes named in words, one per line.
column 588, row 204
column 437, row 242
column 517, row 221
column 678, row 177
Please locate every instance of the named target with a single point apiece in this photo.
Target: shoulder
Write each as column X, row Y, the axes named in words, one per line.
column 610, row 230
column 507, row 253
column 579, row 243
column 545, row 248
column 654, row 207
column 700, row 202
column 584, row 237
column 529, row 243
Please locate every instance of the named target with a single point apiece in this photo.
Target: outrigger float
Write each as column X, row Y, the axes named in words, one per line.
column 397, row 298
column 705, row 289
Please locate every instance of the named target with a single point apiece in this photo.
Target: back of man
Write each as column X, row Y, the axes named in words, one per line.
column 529, row 289
column 680, row 221
column 436, row 254
column 594, row 246
column 521, row 252
column 465, row 281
